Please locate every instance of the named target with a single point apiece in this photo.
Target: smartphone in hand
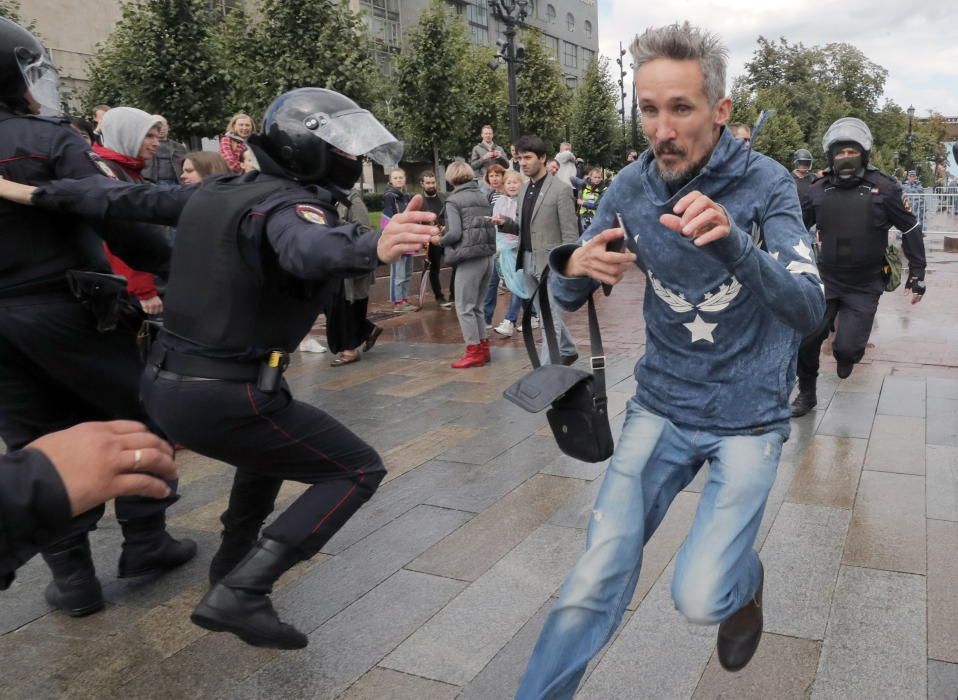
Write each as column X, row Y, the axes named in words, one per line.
column 616, row 246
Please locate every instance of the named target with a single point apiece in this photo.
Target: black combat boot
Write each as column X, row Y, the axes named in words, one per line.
column 74, row 589
column 806, row 399
column 240, row 602
column 149, row 549
column 740, row 633
column 235, row 544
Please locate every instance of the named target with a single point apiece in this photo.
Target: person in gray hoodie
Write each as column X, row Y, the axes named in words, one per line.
column 731, row 288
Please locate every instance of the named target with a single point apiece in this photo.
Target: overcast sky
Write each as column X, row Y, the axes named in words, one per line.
column 917, row 43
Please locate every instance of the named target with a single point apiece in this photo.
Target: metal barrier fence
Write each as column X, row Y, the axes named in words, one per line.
column 937, row 211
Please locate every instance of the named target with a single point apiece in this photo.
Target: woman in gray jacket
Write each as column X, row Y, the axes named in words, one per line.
column 469, row 242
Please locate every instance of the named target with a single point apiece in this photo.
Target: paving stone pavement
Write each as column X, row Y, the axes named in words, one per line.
column 437, row 589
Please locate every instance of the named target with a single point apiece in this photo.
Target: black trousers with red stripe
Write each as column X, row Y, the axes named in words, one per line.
column 270, row 438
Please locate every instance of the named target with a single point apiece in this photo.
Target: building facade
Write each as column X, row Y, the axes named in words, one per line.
column 569, row 28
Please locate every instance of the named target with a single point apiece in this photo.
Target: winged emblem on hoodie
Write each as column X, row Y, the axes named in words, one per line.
column 712, row 302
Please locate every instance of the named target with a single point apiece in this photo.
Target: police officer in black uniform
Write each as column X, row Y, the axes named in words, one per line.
column 56, row 367
column 257, row 257
column 802, row 171
column 854, row 206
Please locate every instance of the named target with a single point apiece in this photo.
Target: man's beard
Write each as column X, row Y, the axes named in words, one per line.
column 677, row 179
column 429, row 193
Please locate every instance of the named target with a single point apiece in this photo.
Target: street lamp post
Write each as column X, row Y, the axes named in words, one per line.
column 619, row 60
column 511, row 13
column 635, row 114
column 911, row 118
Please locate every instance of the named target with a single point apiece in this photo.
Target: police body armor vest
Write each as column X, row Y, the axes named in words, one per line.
column 846, row 225
column 218, row 298
column 478, row 235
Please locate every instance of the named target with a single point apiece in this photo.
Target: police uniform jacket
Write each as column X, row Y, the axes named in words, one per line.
column 289, row 241
column 853, row 226
column 34, row 509
column 37, row 247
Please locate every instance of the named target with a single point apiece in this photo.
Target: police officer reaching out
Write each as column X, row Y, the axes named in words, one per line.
column 854, row 206
column 63, row 356
column 257, row 257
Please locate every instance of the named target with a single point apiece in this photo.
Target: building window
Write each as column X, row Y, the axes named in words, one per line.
column 477, row 12
column 570, row 21
column 552, row 46
column 551, row 14
column 478, row 35
column 587, row 55
column 569, row 55
column 382, row 18
column 587, row 25
column 571, row 82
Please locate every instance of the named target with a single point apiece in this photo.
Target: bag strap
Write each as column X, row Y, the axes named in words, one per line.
column 597, row 361
column 548, row 326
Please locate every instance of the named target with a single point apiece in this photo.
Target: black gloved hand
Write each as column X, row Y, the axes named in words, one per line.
column 916, row 283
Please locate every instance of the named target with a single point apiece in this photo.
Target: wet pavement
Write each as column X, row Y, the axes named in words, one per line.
column 438, row 587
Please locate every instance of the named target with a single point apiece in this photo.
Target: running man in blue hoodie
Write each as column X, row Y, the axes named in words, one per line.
column 732, row 286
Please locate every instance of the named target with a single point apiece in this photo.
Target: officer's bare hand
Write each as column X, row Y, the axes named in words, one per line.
column 15, row 192
column 593, row 260
column 407, row 233
column 699, row 218
column 100, row 461
column 152, row 306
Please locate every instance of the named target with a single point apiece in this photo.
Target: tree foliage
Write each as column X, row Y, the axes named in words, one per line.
column 596, row 130
column 11, row 10
column 811, row 87
column 543, row 95
column 292, row 44
column 487, row 98
column 432, row 91
column 160, row 58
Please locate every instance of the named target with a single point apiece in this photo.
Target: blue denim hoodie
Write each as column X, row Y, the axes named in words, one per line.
column 724, row 321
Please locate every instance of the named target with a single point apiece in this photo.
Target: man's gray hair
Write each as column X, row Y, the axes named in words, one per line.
column 684, row 42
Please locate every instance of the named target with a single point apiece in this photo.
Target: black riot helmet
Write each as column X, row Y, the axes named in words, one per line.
column 25, row 66
column 303, row 129
column 802, row 156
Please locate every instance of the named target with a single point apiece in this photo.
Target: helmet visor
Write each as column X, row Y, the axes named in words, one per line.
column 42, row 81
column 357, row 133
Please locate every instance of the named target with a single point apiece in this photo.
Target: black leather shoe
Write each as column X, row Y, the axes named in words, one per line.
column 145, row 556
column 568, row 360
column 240, row 602
column 803, row 403
column 740, row 634
column 845, row 368
column 74, row 589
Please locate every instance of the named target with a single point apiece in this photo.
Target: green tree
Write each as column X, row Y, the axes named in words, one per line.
column 161, row 59
column 432, row 88
column 543, row 95
column 292, row 44
column 596, row 130
column 487, row 99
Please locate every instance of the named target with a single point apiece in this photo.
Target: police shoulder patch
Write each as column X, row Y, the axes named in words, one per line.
column 101, row 166
column 313, row 215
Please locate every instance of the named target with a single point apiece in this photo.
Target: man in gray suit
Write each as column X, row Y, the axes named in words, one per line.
column 545, row 218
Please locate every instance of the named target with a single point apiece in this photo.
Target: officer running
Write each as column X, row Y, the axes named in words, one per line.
column 802, row 171
column 257, row 258
column 854, row 205
column 43, row 387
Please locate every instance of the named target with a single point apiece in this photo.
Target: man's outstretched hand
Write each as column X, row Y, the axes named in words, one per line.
column 593, row 260
column 699, row 218
column 407, row 232
column 100, row 461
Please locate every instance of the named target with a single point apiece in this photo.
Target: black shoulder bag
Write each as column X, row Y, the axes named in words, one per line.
column 578, row 415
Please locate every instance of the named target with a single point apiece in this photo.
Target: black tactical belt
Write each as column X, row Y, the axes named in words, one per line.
column 174, row 362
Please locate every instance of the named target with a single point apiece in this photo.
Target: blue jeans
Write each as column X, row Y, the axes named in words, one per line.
column 400, row 276
column 492, row 293
column 716, row 569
